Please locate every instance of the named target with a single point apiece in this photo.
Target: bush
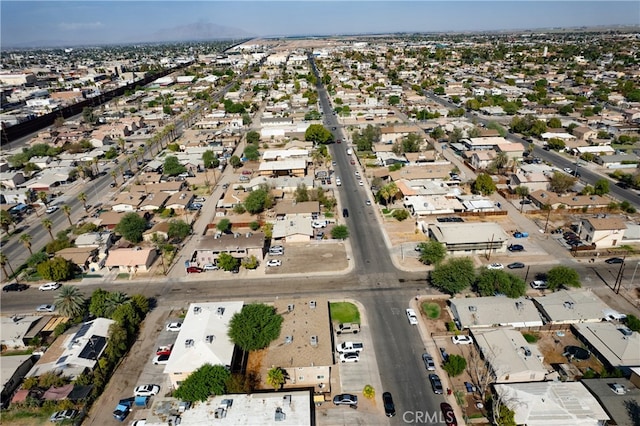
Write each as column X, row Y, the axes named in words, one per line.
column 400, row 215
column 369, row 392
column 432, row 310
column 254, row 226
column 530, row 337
column 455, row 365
column 633, row 322
column 451, row 327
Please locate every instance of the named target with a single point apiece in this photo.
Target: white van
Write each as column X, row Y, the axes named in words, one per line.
column 338, row 182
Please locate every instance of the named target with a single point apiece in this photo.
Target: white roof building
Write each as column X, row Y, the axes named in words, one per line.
column 511, row 358
column 474, row 312
column 612, row 343
column 571, row 307
column 552, row 403
column 470, row 238
column 202, row 339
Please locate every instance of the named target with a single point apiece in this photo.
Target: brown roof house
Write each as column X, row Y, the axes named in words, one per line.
column 160, row 228
column 604, row 232
column 569, row 201
column 131, row 260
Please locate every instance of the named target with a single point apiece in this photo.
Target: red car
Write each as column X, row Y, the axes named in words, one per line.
column 353, row 161
column 194, row 270
column 339, row 141
column 164, row 350
column 448, row 415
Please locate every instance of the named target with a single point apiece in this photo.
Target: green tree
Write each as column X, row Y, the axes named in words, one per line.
column 226, row 262
column 340, row 232
column 301, row 193
column 257, row 201
column 556, row 143
column 432, row 252
column 317, row 133
column 255, row 327
column 554, row 123
column 394, row 100
column 522, row 192
column 224, row 225
column 69, row 301
column 250, row 262
column 492, row 281
column 276, row 377
column 454, row 275
column 201, row 384
column 6, row 220
column 67, row 211
column 455, row 365
column 56, row 269
column 178, row 229
column 559, row 276
column 127, row 317
column 251, row 153
column 209, row 159
column 48, row 225
column 172, row 166
column 483, row 185
column 253, row 137
column 97, row 306
column 112, row 301
column 601, row 187
column 25, row 239
column 131, row 227
column 83, row 198
column 36, row 258
column 561, row 182
column 235, row 161
column 633, row 322
column 400, row 214
column 141, row 304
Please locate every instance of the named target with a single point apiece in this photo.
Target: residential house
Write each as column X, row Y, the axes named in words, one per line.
column 493, row 311
column 179, row 201
column 131, row 260
column 618, row 161
column 534, row 181
column 584, row 133
column 511, row 358
column 202, row 339
column 76, row 351
column 85, row 258
column 571, row 307
column 513, row 151
column 290, row 167
column 603, row 232
column 11, row 180
column 569, row 201
column 289, row 209
column 127, row 202
column 12, row 372
column 552, row 403
column 153, row 201
column 614, row 344
column 18, row 330
column 468, row 238
column 614, row 404
column 295, row 229
column 161, row 229
column 481, row 160
column 238, row 245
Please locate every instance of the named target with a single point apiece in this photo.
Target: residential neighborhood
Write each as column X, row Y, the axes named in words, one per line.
column 428, row 229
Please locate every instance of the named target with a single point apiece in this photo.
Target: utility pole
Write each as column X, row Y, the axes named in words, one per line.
column 618, row 282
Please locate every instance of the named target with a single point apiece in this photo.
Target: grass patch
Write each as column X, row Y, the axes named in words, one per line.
column 530, row 337
column 432, row 310
column 20, row 352
column 122, row 276
column 25, row 413
column 344, row 312
column 328, row 214
column 386, row 211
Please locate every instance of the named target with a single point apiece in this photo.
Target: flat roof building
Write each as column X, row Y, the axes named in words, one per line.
column 474, row 312
column 571, row 307
column 614, row 344
column 470, row 238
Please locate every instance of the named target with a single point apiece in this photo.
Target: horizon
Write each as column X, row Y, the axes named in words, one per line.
column 50, row 24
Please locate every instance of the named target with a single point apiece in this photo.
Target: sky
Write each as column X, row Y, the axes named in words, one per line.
column 29, row 23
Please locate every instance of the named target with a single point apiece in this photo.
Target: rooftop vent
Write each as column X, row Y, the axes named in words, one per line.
column 210, row 338
column 312, row 304
column 287, row 400
column 197, row 310
column 288, row 340
column 220, row 311
column 188, row 343
column 473, row 308
column 568, row 305
column 220, row 413
column 249, row 234
column 236, row 235
column 290, row 307
column 314, row 340
column 280, row 416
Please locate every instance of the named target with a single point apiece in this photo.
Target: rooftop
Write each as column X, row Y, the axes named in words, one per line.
column 614, row 342
column 572, row 306
column 495, row 310
column 468, row 232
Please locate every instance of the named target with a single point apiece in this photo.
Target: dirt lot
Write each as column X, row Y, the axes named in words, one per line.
column 313, row 256
column 551, row 344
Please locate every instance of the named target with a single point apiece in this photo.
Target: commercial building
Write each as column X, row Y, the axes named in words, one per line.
column 482, row 312
column 470, row 238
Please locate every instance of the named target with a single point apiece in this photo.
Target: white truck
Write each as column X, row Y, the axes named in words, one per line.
column 350, row 347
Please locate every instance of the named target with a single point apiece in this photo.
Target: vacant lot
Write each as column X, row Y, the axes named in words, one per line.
column 314, row 256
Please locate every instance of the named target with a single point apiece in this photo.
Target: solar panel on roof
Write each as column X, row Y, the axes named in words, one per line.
column 93, row 348
column 83, row 330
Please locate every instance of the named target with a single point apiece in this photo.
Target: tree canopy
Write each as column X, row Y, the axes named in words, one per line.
column 559, row 276
column 56, row 269
column 365, row 138
column 340, row 232
column 492, row 281
column 205, row 381
column 561, row 182
column 455, row 365
column 483, row 185
column 432, row 252
column 226, row 262
column 172, row 166
column 251, row 153
column 255, row 326
column 258, row 200
column 253, row 137
column 131, row 227
column 317, row 133
column 453, row 276
column 178, row 229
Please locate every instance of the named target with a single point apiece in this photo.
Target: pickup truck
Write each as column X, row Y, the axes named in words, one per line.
column 347, row 328
column 350, row 347
column 123, row 408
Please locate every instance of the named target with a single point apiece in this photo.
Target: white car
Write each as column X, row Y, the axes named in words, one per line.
column 317, row 224
column 210, row 267
column 146, row 390
column 52, row 209
column 161, row 359
column 495, row 266
column 46, row 308
column 538, row 284
column 174, row 326
column 49, row 286
column 141, row 422
column 274, row 262
column 349, row 357
column 361, row 183
column 462, row 340
column 412, row 317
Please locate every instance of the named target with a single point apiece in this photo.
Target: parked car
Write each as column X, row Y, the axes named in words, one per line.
column 538, row 284
column 345, row 212
column 60, row 416
column 210, row 267
column 51, row 209
column 495, row 266
column 348, row 328
column 194, row 270
column 444, row 354
column 389, row 406
column 462, row 340
column 317, row 224
column 345, row 399
column 49, row 286
column 164, row 350
column 46, row 308
column 174, row 326
column 436, row 383
column 448, row 415
column 614, row 260
column 350, row 347
column 14, row 287
column 412, row 317
column 123, row 409
column 161, row 359
column 276, row 251
column 515, row 247
column 146, row 390
column 349, row 357
column 274, row 262
column 429, row 363
column 516, row 265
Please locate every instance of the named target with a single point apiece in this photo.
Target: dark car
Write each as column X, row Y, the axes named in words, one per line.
column 448, row 415
column 15, row 287
column 345, row 212
column 516, row 247
column 613, row 260
column 194, row 270
column 516, row 265
column 445, row 355
column 346, row 399
column 389, row 406
column 436, row 384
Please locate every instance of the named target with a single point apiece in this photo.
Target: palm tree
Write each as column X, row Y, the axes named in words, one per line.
column 4, row 260
column 393, row 190
column 47, row 224
column 523, row 192
column 69, row 301
column 384, row 194
column 95, row 163
column 81, row 171
column 113, row 300
column 276, row 377
column 6, row 220
column 113, row 175
column 26, row 240
column 121, row 143
column 83, row 197
column 42, row 196
column 67, row 210
column 501, row 161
